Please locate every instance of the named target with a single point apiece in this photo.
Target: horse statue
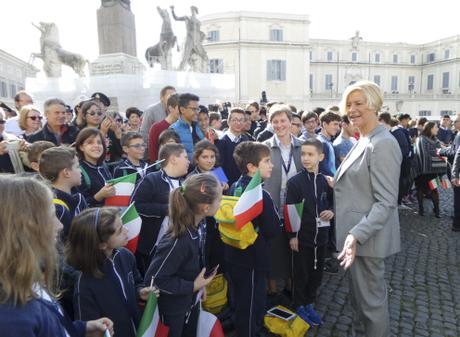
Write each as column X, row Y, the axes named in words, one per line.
column 53, row 55
column 161, row 52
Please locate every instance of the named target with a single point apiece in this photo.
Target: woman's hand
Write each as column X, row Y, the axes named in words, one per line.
column 98, row 327
column 326, row 215
column 348, row 253
column 294, row 243
column 456, row 182
column 105, row 192
column 105, row 126
column 201, row 281
column 145, row 292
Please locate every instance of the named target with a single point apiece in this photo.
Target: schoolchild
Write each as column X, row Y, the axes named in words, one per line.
column 28, row 306
column 134, row 149
column 205, row 155
column 249, row 268
column 61, row 167
column 309, row 244
column 178, row 264
column 151, row 199
column 91, row 151
column 109, row 283
column 35, row 150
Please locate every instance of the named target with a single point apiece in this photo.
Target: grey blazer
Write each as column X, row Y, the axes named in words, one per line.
column 273, row 184
column 365, row 195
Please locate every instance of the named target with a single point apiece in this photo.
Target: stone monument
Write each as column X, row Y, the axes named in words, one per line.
column 117, row 40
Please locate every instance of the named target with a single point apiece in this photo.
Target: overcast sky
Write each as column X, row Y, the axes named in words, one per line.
column 412, row 21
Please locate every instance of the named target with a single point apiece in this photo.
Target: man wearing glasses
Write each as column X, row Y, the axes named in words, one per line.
column 186, row 126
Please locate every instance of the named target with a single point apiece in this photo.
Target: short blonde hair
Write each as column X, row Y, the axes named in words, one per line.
column 277, row 109
column 371, row 91
column 23, row 115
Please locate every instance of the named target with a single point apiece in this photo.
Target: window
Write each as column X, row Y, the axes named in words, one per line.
column 446, row 54
column 424, row 113
column 12, row 90
column 213, row 36
column 429, row 82
column 328, row 82
column 311, row 55
column 311, row 82
column 276, row 70
column 430, row 57
column 354, row 56
column 276, row 34
column 412, row 59
column 329, row 56
column 411, row 83
column 377, row 58
column 216, row 66
column 447, row 112
column 395, row 58
column 394, row 84
column 377, row 79
column 445, row 80
column 4, row 90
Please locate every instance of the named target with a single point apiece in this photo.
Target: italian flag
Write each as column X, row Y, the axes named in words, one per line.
column 250, row 204
column 133, row 223
column 208, row 325
column 150, row 325
column 124, row 187
column 434, row 183
column 445, row 183
column 293, row 216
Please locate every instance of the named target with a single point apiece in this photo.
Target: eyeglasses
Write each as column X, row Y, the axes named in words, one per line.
column 238, row 120
column 119, row 120
column 92, row 113
column 34, row 118
column 297, row 124
column 137, row 146
column 193, row 109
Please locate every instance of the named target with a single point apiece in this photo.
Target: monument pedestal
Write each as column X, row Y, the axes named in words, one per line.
column 116, row 63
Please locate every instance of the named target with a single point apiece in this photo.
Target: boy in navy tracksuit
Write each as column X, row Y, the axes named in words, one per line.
column 60, row 166
column 151, row 199
column 248, row 268
column 310, row 242
column 134, row 149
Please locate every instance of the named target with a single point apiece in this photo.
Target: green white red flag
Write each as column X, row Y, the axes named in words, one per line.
column 124, row 187
column 208, row 325
column 151, row 325
column 131, row 220
column 250, row 204
column 293, row 216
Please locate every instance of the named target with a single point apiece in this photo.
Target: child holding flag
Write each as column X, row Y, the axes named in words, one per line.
column 109, row 283
column 177, row 266
column 307, row 214
column 249, row 268
column 91, row 150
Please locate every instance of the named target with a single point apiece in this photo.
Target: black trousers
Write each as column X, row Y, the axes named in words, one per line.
column 183, row 325
column 456, row 207
column 250, row 295
column 307, row 274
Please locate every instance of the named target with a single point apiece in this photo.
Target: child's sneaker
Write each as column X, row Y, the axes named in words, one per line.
column 313, row 315
column 302, row 313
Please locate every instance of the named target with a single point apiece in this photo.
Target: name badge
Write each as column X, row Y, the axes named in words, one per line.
column 320, row 223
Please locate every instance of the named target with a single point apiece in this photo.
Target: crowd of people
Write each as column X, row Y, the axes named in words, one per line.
column 65, row 269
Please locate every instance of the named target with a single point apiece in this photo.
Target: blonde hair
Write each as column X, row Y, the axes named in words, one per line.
column 27, row 247
column 23, row 115
column 370, row 90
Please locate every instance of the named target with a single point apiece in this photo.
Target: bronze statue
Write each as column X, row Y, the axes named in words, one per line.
column 161, row 52
column 194, row 54
column 53, row 55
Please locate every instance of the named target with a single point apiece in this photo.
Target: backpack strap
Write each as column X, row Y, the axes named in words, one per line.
column 85, row 177
column 61, row 202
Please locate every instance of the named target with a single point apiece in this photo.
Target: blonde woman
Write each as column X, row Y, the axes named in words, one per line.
column 30, row 120
column 28, row 265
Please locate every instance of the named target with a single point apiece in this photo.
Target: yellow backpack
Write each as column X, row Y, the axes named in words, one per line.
column 295, row 327
column 230, row 235
column 216, row 294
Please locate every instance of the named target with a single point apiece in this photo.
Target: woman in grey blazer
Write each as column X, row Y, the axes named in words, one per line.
column 366, row 208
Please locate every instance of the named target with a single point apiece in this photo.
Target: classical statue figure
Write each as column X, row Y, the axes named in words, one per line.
column 53, row 55
column 193, row 54
column 355, row 40
column 161, row 52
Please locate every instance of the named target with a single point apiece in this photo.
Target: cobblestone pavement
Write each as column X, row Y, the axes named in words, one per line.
column 424, row 280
